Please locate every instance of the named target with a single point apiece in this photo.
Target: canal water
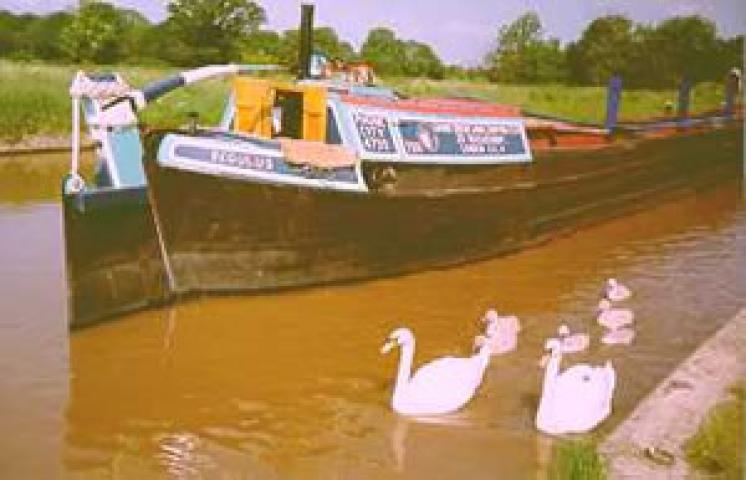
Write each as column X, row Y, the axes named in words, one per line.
column 292, row 385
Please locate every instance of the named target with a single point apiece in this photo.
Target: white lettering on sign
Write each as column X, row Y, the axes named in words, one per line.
column 435, row 137
column 241, row 160
column 374, row 133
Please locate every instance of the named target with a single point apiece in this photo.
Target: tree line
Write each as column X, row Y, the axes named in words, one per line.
column 644, row 55
column 198, row 32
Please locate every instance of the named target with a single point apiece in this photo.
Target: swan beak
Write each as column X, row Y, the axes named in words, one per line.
column 544, row 361
column 386, row 348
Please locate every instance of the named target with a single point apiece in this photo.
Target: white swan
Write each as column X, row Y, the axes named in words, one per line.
column 501, row 332
column 613, row 318
column 441, row 386
column 620, row 336
column 577, row 342
column 575, row 400
column 615, row 291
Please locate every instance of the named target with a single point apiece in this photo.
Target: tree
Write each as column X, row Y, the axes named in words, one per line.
column 606, row 47
column 94, row 34
column 686, row 46
column 262, row 46
column 137, row 37
column 524, row 55
column 392, row 56
column 384, row 51
column 731, row 53
column 44, row 35
column 420, row 61
column 13, row 37
column 325, row 41
column 209, row 31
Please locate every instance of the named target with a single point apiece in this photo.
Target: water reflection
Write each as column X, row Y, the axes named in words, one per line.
column 33, row 341
column 26, row 178
column 402, row 425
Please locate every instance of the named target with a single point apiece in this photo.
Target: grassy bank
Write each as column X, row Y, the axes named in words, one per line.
column 575, row 102
column 576, row 460
column 34, row 100
column 718, row 447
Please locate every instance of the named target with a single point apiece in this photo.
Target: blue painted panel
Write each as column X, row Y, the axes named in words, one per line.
column 127, row 151
column 229, row 112
column 243, row 160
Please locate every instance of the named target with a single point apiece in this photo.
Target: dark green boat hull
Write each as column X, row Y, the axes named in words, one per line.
column 227, row 235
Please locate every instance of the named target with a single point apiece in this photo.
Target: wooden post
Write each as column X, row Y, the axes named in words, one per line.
column 613, row 99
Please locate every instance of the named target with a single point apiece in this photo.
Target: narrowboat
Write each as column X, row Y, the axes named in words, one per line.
column 325, row 180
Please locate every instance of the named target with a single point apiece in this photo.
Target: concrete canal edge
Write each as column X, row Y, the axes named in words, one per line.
column 673, row 412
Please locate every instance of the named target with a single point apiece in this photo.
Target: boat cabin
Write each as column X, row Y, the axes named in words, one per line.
column 270, row 109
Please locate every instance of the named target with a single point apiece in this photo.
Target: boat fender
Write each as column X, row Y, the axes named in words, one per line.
column 73, row 185
column 383, row 177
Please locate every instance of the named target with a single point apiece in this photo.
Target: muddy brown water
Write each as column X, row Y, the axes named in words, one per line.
column 292, row 385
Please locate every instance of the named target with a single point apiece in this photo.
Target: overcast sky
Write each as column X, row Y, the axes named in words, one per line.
column 461, row 31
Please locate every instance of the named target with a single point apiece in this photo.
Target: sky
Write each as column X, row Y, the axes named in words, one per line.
column 461, row 31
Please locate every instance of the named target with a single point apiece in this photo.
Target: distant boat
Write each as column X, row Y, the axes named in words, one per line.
column 323, row 180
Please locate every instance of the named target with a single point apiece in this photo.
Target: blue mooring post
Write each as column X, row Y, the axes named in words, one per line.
column 682, row 109
column 613, row 98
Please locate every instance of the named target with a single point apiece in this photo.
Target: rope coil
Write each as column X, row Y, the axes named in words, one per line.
column 84, row 86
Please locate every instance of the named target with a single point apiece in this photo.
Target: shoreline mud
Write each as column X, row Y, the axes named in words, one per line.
column 41, row 144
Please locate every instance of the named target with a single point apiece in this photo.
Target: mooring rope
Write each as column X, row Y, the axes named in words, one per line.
column 161, row 243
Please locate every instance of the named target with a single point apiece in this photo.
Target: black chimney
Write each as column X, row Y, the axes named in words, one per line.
column 306, row 41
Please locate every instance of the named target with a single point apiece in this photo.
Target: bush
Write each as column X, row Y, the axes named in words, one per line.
column 718, row 446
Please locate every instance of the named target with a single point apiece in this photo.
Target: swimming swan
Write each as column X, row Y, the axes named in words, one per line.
column 575, row 400
column 613, row 318
column 441, row 386
column 501, row 332
column 621, row 336
column 577, row 342
column 615, row 291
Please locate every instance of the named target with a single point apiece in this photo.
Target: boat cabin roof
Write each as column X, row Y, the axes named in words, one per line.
column 458, row 107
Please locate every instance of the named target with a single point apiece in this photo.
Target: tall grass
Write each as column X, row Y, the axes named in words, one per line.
column 579, row 103
column 34, row 99
column 576, row 460
column 718, row 446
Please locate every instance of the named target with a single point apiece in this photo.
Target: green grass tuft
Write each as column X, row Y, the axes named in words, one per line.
column 718, row 446
column 576, row 460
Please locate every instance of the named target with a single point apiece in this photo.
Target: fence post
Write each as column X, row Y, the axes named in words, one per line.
column 682, row 109
column 613, row 98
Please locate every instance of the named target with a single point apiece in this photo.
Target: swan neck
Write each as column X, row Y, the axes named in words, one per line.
column 405, row 366
column 551, row 371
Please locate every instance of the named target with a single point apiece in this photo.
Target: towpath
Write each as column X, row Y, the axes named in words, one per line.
column 673, row 412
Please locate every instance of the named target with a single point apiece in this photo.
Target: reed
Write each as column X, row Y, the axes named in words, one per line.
column 576, row 460
column 34, row 100
column 717, row 449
